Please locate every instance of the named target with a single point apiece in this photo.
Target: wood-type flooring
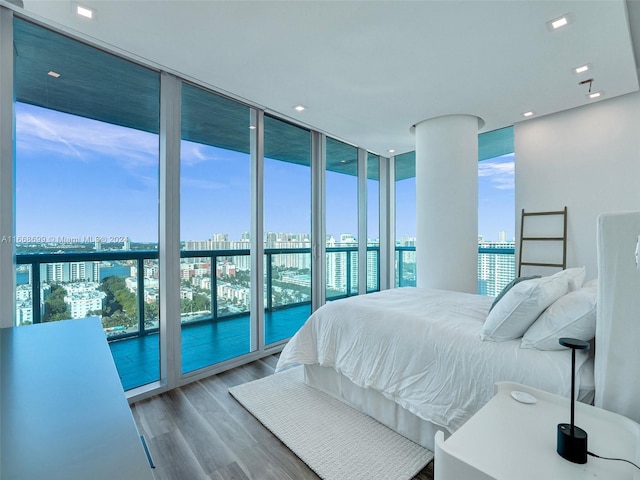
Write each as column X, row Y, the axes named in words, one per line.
column 200, row 432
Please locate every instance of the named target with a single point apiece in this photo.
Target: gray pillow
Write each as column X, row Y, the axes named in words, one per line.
column 509, row 286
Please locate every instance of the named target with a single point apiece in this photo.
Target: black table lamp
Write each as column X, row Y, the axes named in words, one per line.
column 572, row 440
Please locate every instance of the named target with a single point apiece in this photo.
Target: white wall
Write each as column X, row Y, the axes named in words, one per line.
column 586, row 158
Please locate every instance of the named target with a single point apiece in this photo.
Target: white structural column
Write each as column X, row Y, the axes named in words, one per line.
column 387, row 222
column 447, row 203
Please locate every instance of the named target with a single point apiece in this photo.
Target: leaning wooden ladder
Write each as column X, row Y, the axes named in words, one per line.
column 562, row 239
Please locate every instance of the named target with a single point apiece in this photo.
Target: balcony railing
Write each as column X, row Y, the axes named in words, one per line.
column 35, row 261
column 143, row 260
column 406, row 268
column 346, row 282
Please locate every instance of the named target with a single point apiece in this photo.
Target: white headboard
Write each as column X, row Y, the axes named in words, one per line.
column 617, row 359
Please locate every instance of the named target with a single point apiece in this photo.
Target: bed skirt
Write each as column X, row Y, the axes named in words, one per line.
column 373, row 404
column 389, row 413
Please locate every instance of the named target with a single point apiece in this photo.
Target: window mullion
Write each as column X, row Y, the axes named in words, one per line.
column 7, row 186
column 169, row 234
column 318, row 220
column 362, row 221
column 257, row 229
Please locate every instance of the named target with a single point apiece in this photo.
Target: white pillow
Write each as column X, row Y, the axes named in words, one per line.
column 591, row 283
column 575, row 277
column 573, row 316
column 521, row 305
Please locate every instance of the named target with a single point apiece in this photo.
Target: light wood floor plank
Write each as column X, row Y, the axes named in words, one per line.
column 230, row 472
column 174, row 458
column 200, row 432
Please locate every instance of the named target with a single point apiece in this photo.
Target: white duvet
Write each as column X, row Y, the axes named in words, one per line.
column 421, row 348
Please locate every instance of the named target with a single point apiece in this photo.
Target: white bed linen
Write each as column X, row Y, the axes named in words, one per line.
column 421, row 348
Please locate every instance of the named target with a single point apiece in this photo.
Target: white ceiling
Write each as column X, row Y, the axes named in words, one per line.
column 369, row 70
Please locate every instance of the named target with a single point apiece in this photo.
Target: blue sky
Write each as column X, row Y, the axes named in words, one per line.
column 77, row 177
column 496, row 190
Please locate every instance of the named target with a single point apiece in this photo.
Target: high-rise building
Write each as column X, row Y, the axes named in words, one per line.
column 495, row 269
column 70, row 272
column 372, row 271
column 342, row 267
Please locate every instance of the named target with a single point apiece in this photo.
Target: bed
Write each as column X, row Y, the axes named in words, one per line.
column 413, row 359
column 421, row 360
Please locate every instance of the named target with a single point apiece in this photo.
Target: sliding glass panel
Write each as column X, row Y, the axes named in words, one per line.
column 86, row 187
column 405, row 170
column 496, row 204
column 341, row 219
column 287, row 227
column 215, row 215
column 373, row 222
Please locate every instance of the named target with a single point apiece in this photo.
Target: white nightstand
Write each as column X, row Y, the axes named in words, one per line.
column 510, row 440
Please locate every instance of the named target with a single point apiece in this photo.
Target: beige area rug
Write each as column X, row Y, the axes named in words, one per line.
column 335, row 440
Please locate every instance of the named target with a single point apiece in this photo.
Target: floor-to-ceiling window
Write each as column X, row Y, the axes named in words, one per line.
column 86, row 189
column 87, row 154
column 287, row 228
column 496, row 204
column 215, row 221
column 341, row 213
column 405, row 203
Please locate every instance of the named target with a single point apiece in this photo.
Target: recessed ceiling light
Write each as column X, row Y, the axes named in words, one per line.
column 391, row 150
column 53, row 74
column 593, row 95
column 582, row 68
column 559, row 22
column 528, row 114
column 83, row 11
column 299, row 108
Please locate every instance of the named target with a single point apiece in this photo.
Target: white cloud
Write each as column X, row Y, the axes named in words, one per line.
column 72, row 137
column 501, row 175
column 192, row 153
column 33, row 132
column 201, row 184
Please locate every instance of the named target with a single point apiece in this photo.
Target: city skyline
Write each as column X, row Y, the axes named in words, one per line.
column 93, row 174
